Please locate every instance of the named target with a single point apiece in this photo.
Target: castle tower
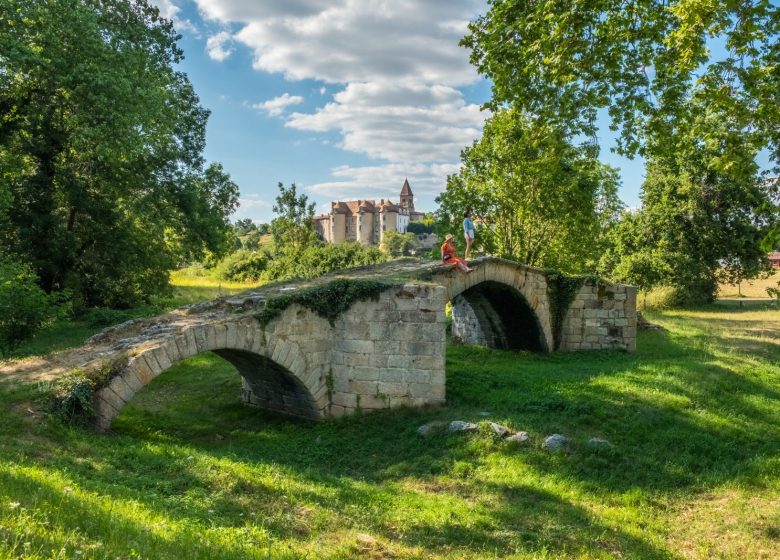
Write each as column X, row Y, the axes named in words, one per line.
column 407, row 198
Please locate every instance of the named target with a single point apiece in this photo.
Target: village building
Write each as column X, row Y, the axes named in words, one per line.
column 367, row 221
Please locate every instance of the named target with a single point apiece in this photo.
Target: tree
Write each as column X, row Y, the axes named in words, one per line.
column 293, row 228
column 24, row 307
column 644, row 61
column 245, row 226
column 540, row 199
column 101, row 143
column 397, row 244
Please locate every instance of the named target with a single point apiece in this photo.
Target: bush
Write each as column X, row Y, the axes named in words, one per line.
column 318, row 260
column 24, row 307
column 71, row 398
column 662, row 297
column 418, row 228
column 242, row 266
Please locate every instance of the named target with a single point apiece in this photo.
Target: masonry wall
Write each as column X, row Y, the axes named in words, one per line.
column 601, row 316
column 390, row 352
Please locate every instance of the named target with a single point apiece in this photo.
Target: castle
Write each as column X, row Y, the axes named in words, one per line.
column 367, row 221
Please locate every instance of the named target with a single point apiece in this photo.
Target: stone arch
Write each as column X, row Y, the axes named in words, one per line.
column 507, row 301
column 282, row 365
column 498, row 316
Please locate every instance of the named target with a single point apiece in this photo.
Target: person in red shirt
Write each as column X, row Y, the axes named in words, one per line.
column 449, row 255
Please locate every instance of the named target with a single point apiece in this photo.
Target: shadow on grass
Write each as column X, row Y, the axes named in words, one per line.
column 681, row 416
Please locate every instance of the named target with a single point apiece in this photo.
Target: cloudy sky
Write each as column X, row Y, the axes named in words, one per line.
column 346, row 98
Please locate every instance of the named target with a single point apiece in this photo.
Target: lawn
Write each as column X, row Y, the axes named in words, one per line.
column 750, row 288
column 189, row 472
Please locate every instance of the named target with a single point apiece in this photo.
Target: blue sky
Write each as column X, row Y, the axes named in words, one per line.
column 346, row 98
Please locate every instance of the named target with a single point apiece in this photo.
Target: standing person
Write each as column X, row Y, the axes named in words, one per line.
column 468, row 232
column 450, row 256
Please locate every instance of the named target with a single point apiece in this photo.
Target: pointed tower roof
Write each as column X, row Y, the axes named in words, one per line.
column 406, row 189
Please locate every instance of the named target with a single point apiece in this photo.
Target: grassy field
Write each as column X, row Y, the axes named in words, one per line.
column 189, row 472
column 750, row 288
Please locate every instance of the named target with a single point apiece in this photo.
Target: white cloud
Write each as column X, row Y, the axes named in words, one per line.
column 170, row 11
column 384, row 181
column 276, row 106
column 413, row 123
column 216, row 46
column 396, row 66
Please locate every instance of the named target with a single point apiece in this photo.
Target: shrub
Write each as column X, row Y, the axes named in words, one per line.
column 318, row 260
column 242, row 266
column 71, row 398
column 662, row 297
column 24, row 307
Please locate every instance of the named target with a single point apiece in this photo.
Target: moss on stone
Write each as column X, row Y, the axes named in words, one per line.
column 328, row 300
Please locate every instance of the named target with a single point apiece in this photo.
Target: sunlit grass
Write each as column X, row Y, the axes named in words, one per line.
column 189, row 472
column 750, row 288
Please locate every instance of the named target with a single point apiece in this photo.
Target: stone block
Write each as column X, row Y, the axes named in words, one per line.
column 363, row 387
column 108, row 395
column 140, row 368
column 231, row 337
column 393, row 389
column 417, row 376
column 398, row 361
column 422, row 390
column 356, row 331
column 152, row 362
column 220, row 335
column 356, row 360
column 391, row 375
column 347, row 400
column 119, row 386
column 373, row 402
column 162, row 358
column 336, row 411
column 378, row 360
column 427, row 362
column 377, row 330
column 366, row 373
column 355, row 346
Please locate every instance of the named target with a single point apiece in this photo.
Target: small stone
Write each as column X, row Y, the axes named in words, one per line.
column 500, row 430
column 461, row 426
column 520, row 438
column 598, row 443
column 433, row 426
column 555, row 442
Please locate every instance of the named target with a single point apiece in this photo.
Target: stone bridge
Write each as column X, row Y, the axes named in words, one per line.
column 366, row 338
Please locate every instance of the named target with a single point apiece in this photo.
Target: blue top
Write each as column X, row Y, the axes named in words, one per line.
column 468, row 226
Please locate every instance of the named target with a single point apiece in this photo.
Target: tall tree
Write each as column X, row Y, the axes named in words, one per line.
column 539, row 199
column 643, row 60
column 293, row 227
column 101, row 143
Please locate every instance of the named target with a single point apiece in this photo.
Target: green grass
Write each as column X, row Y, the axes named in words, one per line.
column 189, row 472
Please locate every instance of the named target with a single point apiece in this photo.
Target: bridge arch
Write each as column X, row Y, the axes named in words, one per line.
column 278, row 373
column 501, row 304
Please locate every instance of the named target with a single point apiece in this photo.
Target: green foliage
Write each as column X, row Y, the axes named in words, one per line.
column 561, row 291
column 24, row 307
column 293, row 227
column 242, row 266
column 328, row 300
column 101, row 141
column 71, row 398
column 663, row 297
column 565, row 62
column 420, row 227
column 535, row 197
column 696, row 226
column 397, row 244
column 317, row 260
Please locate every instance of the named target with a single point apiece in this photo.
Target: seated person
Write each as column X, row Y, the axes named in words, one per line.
column 449, row 255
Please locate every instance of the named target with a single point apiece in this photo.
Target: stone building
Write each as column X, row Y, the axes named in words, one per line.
column 367, row 221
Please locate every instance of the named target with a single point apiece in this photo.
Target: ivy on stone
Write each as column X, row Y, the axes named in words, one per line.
column 329, row 300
